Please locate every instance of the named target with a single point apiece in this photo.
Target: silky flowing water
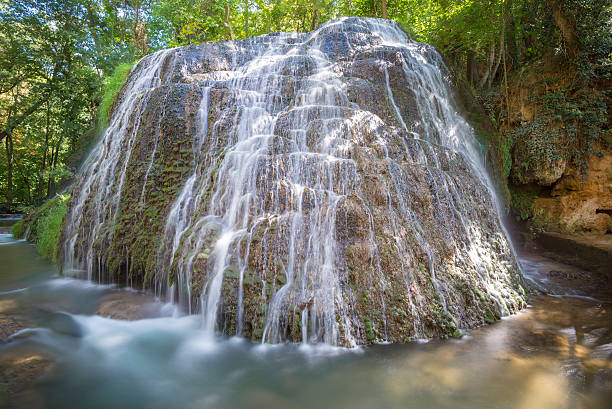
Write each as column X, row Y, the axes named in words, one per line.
column 555, row 354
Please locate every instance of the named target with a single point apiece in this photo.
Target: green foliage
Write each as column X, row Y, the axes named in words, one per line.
column 537, row 143
column 185, row 22
column 44, row 224
column 18, row 229
column 504, row 149
column 522, row 202
column 569, row 126
column 48, row 226
column 182, row 22
column 47, row 90
column 593, row 20
column 112, row 87
column 369, row 328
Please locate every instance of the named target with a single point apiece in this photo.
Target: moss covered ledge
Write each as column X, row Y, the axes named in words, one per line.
column 42, row 226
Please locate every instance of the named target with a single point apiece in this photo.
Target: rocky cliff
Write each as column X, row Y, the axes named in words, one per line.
column 561, row 162
column 314, row 187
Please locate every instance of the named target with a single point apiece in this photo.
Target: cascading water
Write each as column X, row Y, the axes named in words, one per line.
column 312, row 187
column 98, row 187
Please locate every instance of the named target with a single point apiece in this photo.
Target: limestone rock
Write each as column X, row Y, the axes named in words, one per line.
column 314, row 187
column 127, row 306
column 580, row 204
column 539, row 170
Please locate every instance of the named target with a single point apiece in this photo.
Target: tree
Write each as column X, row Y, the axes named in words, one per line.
column 45, row 67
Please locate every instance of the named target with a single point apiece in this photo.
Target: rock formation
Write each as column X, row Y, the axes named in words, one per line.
column 315, row 187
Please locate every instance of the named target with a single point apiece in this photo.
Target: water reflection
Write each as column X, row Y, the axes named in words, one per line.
column 555, row 354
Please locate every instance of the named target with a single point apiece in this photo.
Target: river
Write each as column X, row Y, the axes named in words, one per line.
column 555, row 354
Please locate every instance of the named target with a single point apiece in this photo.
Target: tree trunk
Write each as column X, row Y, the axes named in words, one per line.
column 470, row 71
column 485, row 77
column 41, row 174
column 493, row 73
column 93, row 24
column 9, row 162
column 315, row 18
column 247, row 10
column 491, row 54
column 384, row 9
column 53, row 164
column 139, row 31
column 503, row 51
column 511, row 36
column 227, row 21
column 566, row 24
column 26, row 183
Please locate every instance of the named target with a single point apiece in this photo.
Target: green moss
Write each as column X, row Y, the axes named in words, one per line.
column 18, row 230
column 444, row 320
column 364, row 296
column 490, row 318
column 370, row 336
column 522, row 202
column 112, row 86
column 45, row 225
column 49, row 225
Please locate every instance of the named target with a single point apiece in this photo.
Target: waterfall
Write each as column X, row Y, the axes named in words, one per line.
column 439, row 117
column 98, row 185
column 296, row 212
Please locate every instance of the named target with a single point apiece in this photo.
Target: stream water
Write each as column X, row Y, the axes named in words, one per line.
column 555, row 354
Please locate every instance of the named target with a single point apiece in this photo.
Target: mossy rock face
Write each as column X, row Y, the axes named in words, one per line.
column 42, row 226
column 295, row 195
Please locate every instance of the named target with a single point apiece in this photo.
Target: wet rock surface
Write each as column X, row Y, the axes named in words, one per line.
column 20, row 364
column 19, row 367
column 8, row 326
column 554, row 354
column 314, row 187
column 547, row 275
column 128, row 306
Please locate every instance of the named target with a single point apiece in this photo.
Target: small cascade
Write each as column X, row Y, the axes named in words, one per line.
column 100, row 184
column 316, row 187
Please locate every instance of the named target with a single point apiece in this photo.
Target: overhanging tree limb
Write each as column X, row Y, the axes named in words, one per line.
column 15, row 122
